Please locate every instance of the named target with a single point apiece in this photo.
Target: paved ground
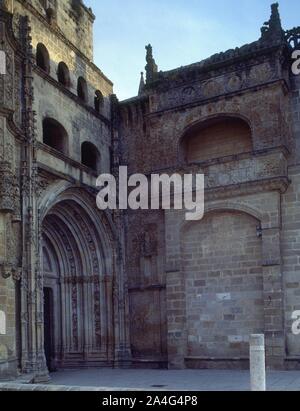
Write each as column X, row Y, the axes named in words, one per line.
column 196, row 380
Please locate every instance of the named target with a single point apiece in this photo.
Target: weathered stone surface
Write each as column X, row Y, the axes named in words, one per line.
column 145, row 289
column 233, row 117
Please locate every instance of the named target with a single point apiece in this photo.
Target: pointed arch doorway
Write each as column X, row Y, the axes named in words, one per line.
column 78, row 267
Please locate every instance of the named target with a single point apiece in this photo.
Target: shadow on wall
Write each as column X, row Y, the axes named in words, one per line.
column 216, row 138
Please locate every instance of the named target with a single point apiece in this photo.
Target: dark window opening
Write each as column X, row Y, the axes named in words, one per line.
column 98, row 101
column 55, row 136
column 42, row 58
column 82, row 91
column 49, row 328
column 63, row 74
column 90, row 156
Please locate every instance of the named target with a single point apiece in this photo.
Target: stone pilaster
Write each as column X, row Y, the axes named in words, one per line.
column 273, row 298
column 176, row 319
column 33, row 356
column 8, row 205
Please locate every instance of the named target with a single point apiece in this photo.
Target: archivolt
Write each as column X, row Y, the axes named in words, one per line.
column 83, row 204
column 82, row 240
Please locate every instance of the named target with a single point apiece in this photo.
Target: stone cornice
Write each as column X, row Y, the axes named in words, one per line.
column 44, row 169
column 65, row 159
column 279, row 184
column 195, row 167
column 200, row 102
column 221, row 61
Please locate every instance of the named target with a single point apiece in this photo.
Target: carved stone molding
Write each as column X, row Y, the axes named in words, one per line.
column 94, row 279
column 17, row 274
column 6, row 271
column 280, row 184
column 7, row 198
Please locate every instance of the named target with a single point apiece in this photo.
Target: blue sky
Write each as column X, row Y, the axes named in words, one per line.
column 180, row 31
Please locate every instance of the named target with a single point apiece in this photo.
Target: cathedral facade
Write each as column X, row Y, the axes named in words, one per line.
column 80, row 287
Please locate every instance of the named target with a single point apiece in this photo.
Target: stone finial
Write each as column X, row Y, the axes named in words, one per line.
column 272, row 29
column 142, row 84
column 151, row 67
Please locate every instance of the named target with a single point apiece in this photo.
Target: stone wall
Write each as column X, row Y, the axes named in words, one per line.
column 72, row 18
column 46, row 176
column 290, row 232
column 159, row 291
column 53, row 100
column 10, row 209
column 147, row 287
column 222, row 259
column 223, row 275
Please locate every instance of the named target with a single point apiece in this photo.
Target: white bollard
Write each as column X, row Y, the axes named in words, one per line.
column 257, row 362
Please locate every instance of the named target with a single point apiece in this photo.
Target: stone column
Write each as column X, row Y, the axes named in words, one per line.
column 257, row 363
column 33, row 356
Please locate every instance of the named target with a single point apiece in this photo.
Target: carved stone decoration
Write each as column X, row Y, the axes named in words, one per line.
column 17, row 200
column 234, row 83
column 9, row 79
column 148, row 242
column 42, row 184
column 17, row 274
column 74, row 289
column 6, row 271
column 212, row 88
column 7, row 195
column 17, row 90
column 96, row 272
column 151, row 67
column 293, row 37
column 49, row 7
column 261, row 73
column 272, row 29
column 188, row 91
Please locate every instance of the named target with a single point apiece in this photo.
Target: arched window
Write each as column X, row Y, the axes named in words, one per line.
column 98, row 101
column 55, row 136
column 63, row 74
column 42, row 58
column 90, row 156
column 216, row 138
column 82, row 90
